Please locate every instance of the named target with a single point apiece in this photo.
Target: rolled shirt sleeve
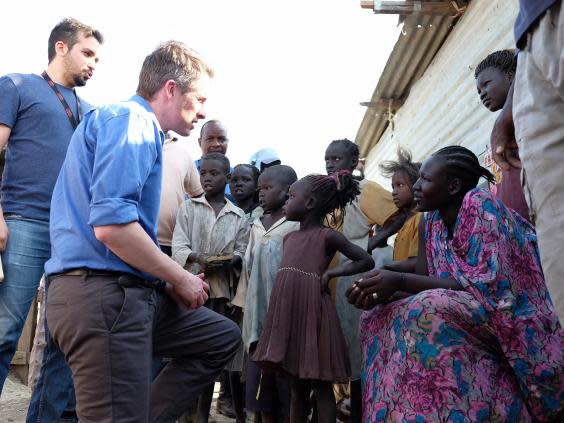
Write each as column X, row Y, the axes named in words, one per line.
column 124, row 157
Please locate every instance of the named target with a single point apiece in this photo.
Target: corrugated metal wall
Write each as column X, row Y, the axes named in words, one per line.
column 443, row 107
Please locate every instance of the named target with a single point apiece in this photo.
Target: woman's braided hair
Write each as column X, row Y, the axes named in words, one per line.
column 462, row 162
column 333, row 192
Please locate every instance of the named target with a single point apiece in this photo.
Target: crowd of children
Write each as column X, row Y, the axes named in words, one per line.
column 276, row 285
column 281, row 262
column 282, row 259
column 272, row 259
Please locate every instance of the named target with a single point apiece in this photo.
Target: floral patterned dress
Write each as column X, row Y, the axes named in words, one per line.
column 492, row 352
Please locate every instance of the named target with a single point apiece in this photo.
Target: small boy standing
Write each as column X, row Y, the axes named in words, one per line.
column 210, row 237
column 211, row 233
column 494, row 76
column 262, row 260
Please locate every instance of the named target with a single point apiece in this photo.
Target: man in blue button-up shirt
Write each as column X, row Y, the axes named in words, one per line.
column 529, row 132
column 105, row 308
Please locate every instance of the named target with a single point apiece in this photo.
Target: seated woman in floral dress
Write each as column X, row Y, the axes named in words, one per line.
column 478, row 340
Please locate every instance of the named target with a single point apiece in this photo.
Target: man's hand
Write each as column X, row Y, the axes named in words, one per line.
column 191, row 293
column 504, row 146
column 3, row 234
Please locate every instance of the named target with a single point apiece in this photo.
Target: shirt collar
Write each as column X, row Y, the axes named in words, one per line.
column 145, row 104
column 229, row 207
column 279, row 222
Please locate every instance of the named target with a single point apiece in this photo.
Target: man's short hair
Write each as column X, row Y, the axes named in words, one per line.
column 218, row 157
column 67, row 31
column 172, row 60
column 211, row 121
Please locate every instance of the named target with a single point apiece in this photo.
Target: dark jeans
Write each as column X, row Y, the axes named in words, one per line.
column 109, row 332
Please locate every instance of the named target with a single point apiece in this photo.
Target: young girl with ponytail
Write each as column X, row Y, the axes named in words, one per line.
column 302, row 336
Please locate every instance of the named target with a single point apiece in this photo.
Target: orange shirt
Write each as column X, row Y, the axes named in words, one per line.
column 407, row 240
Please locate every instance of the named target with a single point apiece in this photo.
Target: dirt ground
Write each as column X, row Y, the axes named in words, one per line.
column 15, row 400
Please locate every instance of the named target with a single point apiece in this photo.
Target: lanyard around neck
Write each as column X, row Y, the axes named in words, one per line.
column 74, row 122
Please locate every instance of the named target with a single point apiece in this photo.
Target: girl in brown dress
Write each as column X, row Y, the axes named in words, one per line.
column 302, row 336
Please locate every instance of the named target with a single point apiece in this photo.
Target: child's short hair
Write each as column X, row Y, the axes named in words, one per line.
column 404, row 163
column 253, row 169
column 504, row 60
column 283, row 173
column 350, row 146
column 333, row 191
column 218, row 157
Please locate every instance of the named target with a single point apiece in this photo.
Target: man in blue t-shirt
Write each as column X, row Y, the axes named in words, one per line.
column 38, row 114
column 529, row 132
column 107, row 308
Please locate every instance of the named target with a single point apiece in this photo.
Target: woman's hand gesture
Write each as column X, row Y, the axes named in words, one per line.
column 375, row 288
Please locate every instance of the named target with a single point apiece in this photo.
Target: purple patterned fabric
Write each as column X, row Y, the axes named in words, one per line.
column 490, row 352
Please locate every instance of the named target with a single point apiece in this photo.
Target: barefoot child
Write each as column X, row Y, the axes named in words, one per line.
column 211, row 236
column 243, row 186
column 261, row 263
column 302, row 336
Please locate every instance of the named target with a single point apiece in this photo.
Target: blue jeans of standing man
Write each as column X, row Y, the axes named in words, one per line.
column 54, row 391
column 27, row 250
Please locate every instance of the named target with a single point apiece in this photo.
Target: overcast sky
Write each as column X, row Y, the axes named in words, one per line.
column 289, row 74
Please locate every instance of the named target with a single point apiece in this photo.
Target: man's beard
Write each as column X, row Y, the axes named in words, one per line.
column 79, row 80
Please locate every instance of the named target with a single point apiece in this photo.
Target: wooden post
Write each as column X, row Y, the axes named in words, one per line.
column 21, row 357
column 384, row 103
column 438, row 8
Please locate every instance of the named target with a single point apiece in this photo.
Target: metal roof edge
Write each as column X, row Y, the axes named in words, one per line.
column 418, row 43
